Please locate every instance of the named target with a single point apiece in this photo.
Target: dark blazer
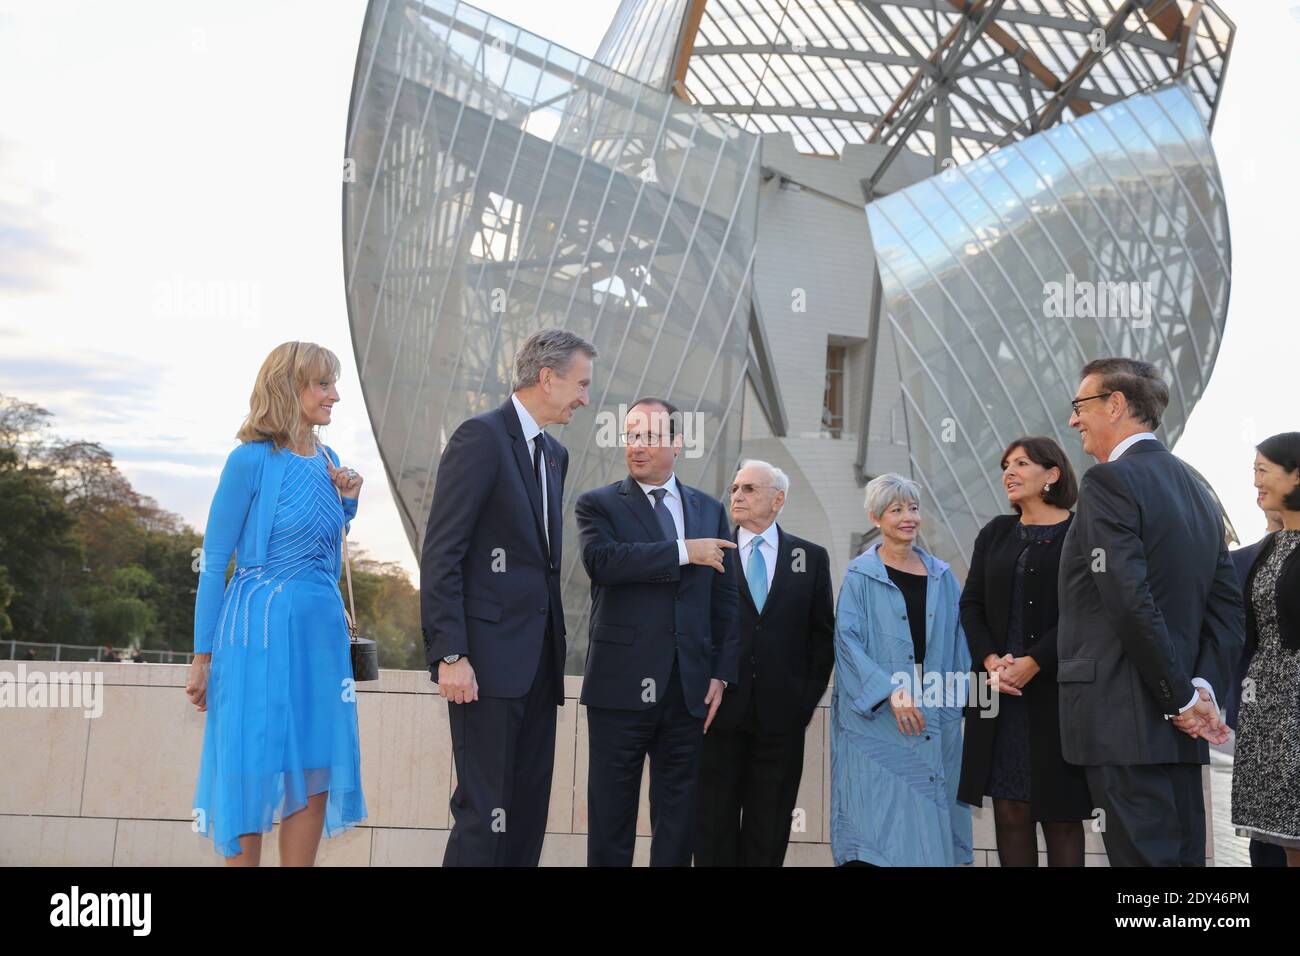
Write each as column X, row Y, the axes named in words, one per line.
column 1287, row 595
column 1148, row 600
column 787, row 651
column 1057, row 791
column 487, row 583
column 1243, row 559
column 644, row 604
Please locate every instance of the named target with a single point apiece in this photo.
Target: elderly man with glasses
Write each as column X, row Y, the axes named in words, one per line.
column 753, row 754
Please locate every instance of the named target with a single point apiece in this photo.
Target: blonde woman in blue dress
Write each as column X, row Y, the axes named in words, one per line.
column 272, row 666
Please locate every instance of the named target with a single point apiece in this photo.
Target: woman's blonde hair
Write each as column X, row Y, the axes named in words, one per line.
column 274, row 409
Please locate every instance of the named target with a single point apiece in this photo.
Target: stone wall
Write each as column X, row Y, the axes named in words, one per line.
column 116, row 790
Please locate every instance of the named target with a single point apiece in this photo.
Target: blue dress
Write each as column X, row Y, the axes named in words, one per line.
column 282, row 714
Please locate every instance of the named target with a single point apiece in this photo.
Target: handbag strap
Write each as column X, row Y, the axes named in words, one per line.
column 350, row 613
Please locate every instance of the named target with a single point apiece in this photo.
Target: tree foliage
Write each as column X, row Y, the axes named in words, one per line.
column 86, row 559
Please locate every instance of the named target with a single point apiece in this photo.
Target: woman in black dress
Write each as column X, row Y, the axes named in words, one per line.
column 1008, row 610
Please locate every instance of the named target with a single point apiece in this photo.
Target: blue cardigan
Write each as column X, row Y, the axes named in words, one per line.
column 239, row 523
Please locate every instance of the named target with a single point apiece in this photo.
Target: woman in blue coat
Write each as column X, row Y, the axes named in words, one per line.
column 902, row 668
column 272, row 664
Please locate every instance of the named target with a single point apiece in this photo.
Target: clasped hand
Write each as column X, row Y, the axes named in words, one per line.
column 1009, row 674
column 1202, row 720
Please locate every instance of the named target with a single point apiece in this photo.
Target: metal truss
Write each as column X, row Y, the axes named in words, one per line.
column 950, row 79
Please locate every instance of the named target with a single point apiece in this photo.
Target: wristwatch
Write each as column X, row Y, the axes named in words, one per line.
column 452, row 658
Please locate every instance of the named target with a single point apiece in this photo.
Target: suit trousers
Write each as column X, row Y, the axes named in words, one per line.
column 1155, row 813
column 619, row 741
column 504, row 751
column 749, row 783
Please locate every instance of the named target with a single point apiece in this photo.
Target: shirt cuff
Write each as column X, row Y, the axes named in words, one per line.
column 1199, row 682
column 682, row 556
column 1202, row 682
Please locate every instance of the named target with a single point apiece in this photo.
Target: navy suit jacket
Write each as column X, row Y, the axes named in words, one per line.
column 645, row 606
column 1148, row 600
column 787, row 650
column 487, row 583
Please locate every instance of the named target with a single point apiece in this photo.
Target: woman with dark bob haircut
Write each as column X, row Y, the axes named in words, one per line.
column 1266, row 765
column 1008, row 610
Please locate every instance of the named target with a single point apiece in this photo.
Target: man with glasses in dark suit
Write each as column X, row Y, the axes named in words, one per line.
column 1151, row 622
column 753, row 754
column 664, row 640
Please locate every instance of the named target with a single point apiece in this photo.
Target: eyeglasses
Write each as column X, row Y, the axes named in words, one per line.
column 747, row 488
column 1076, row 402
column 649, row 439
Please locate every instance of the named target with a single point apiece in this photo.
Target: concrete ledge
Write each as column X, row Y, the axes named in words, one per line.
column 116, row 789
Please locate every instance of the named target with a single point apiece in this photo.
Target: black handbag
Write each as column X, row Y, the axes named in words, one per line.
column 365, row 652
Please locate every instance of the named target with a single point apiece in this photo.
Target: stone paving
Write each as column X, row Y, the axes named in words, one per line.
column 1229, row 849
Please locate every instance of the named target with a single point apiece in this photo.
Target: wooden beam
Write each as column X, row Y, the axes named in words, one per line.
column 685, row 46
column 1023, row 56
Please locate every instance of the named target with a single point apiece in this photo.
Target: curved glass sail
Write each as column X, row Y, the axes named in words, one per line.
column 1002, row 277
column 498, row 184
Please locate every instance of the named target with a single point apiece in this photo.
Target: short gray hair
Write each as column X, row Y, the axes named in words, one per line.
column 884, row 490
column 549, row 348
column 780, row 480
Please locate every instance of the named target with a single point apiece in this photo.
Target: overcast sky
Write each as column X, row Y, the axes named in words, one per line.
column 169, row 212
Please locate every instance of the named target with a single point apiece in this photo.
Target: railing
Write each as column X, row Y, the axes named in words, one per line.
column 33, row 651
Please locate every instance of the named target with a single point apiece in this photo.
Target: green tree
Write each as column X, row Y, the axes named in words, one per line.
column 122, row 611
column 388, row 610
column 88, row 559
column 39, row 551
column 6, row 596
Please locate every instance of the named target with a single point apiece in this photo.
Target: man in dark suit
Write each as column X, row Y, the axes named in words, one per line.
column 490, row 603
column 753, row 753
column 1151, row 621
column 664, row 640
column 1261, row 853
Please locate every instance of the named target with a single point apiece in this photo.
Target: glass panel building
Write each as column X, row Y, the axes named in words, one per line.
column 501, row 184
column 856, row 237
column 1003, row 277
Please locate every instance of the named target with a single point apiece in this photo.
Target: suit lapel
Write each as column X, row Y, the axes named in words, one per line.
column 783, row 551
column 639, row 505
column 692, row 519
column 553, row 493
column 743, row 564
column 519, row 444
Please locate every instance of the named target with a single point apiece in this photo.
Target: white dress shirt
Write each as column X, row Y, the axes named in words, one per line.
column 1115, row 452
column 673, row 502
column 533, row 432
column 767, row 547
column 1129, row 442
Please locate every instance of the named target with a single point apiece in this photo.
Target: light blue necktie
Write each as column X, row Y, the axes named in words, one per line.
column 756, row 574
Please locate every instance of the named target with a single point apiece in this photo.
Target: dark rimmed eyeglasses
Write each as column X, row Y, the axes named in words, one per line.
column 1076, row 402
